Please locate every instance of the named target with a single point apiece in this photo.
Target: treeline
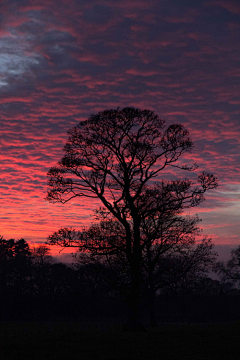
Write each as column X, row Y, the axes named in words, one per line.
column 34, row 286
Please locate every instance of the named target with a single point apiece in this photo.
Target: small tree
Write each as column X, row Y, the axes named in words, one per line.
column 115, row 156
column 15, row 272
column 229, row 271
column 15, row 260
column 183, row 268
column 41, row 268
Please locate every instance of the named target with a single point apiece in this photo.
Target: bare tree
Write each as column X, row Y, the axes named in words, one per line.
column 115, row 156
column 229, row 271
column 41, row 268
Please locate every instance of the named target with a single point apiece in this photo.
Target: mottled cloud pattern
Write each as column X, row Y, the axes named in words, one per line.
column 61, row 61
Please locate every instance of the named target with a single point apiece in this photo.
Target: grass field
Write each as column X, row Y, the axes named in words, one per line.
column 70, row 341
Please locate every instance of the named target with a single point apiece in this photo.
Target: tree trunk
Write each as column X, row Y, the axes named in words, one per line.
column 134, row 319
column 134, row 257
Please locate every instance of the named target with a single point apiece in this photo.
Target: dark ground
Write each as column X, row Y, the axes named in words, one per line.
column 73, row 340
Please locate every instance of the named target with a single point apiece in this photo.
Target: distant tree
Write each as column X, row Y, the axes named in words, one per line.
column 6, row 258
column 49, row 278
column 22, row 265
column 115, row 156
column 41, row 268
column 183, row 270
column 15, row 272
column 15, row 260
column 41, row 255
column 229, row 271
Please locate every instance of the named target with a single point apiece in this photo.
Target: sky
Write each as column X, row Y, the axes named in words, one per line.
column 63, row 60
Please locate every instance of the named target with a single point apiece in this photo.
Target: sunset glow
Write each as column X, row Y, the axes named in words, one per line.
column 61, row 61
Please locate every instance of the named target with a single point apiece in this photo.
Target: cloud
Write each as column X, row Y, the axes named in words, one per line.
column 231, row 5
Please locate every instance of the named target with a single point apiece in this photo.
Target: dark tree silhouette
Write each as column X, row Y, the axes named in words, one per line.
column 15, row 259
column 170, row 261
column 115, row 156
column 183, row 268
column 229, row 271
column 41, row 269
column 15, row 270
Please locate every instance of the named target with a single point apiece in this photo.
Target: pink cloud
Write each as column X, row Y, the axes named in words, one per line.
column 231, row 5
column 15, row 99
column 187, row 17
column 136, row 4
column 140, row 73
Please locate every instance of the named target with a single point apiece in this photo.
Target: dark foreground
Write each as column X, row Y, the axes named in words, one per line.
column 68, row 341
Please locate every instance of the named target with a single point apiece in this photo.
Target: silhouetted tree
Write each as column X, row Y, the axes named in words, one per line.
column 15, row 259
column 171, row 263
column 229, row 271
column 115, row 156
column 41, row 255
column 41, row 268
column 50, row 279
column 15, row 272
column 183, row 269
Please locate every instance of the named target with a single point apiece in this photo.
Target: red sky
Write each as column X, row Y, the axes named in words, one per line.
column 62, row 60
